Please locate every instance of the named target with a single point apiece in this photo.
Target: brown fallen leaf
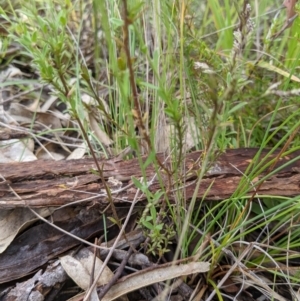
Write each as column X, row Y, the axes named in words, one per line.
column 80, row 265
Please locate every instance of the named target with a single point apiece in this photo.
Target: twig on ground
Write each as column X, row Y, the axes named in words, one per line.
column 116, row 276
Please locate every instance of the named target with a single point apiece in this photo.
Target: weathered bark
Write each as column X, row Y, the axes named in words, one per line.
column 47, row 183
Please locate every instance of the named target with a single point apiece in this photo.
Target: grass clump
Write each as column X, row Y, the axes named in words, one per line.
column 174, row 77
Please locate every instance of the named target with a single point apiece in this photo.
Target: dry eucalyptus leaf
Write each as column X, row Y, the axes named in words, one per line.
column 150, row 276
column 51, row 151
column 101, row 135
column 14, row 150
column 34, row 105
column 21, row 113
column 79, row 267
column 48, row 103
column 78, row 153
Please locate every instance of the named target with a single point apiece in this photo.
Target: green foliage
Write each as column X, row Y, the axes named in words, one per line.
column 214, row 75
column 160, row 234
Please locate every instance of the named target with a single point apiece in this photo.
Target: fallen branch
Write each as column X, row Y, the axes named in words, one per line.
column 47, row 183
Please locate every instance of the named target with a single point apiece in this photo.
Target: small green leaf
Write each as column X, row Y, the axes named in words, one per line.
column 121, row 64
column 159, row 227
column 150, row 159
column 153, row 212
column 63, row 20
column 113, row 220
column 237, row 107
column 34, row 37
column 116, row 23
column 148, row 225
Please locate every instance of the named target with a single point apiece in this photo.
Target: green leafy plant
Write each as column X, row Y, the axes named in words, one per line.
column 159, row 234
column 172, row 77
